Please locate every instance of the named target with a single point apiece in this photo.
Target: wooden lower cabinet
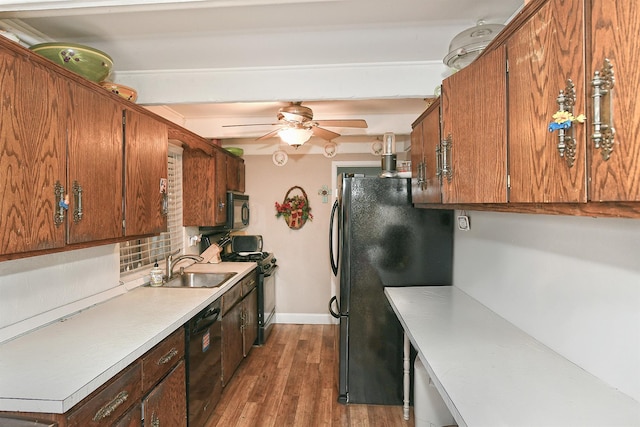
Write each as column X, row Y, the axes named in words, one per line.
column 133, row 418
column 239, row 324
column 250, row 321
column 166, row 404
column 232, row 342
column 120, row 402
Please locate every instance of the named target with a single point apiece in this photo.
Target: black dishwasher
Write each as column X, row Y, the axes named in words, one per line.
column 204, row 364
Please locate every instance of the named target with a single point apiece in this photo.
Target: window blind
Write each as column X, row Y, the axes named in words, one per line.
column 139, row 253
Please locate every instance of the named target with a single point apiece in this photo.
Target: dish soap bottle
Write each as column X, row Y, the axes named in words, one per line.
column 156, row 275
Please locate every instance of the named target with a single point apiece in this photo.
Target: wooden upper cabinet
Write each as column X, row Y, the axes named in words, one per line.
column 198, row 176
column 431, row 152
column 204, row 189
column 94, row 183
column 546, row 56
column 417, row 181
column 474, row 130
column 615, row 167
column 33, row 116
column 235, row 174
column 425, row 138
column 221, row 188
column 146, row 147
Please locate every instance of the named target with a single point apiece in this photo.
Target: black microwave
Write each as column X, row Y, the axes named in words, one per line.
column 237, row 210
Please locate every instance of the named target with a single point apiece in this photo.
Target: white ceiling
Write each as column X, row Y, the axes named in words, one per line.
column 152, row 40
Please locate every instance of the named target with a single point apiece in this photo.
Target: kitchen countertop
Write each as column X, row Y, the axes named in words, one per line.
column 490, row 373
column 51, row 369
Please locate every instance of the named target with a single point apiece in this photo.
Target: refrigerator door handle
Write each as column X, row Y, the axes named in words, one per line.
column 334, row 261
column 333, row 313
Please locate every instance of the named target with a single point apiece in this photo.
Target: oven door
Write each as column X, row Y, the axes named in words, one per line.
column 268, row 303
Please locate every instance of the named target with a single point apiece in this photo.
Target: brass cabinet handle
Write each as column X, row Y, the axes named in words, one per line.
column 446, row 170
column 61, row 204
column 566, row 141
column 165, row 204
column 167, row 357
column 603, row 132
column 110, row 407
column 77, row 211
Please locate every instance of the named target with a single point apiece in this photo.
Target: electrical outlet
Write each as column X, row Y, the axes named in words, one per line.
column 463, row 223
column 194, row 240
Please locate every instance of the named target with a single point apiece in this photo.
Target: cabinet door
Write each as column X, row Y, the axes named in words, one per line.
column 543, row 55
column 133, row 418
column 95, row 167
column 198, row 176
column 417, row 157
column 232, row 173
column 474, row 128
column 615, row 168
column 431, row 150
column 33, row 115
column 250, row 321
column 146, row 145
column 235, row 174
column 241, row 176
column 166, row 405
column 232, row 342
column 221, row 189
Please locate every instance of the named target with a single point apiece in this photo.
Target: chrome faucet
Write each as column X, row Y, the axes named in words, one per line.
column 171, row 262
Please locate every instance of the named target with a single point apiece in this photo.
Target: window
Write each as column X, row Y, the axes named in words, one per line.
column 139, row 253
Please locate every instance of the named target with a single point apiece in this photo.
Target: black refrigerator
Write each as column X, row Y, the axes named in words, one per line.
column 378, row 239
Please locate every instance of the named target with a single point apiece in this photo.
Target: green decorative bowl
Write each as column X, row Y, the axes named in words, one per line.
column 90, row 63
column 235, row 151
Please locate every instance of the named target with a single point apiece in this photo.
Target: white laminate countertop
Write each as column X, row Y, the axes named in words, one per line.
column 491, row 373
column 54, row 367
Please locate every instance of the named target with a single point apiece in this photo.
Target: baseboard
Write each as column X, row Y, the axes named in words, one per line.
column 305, row 318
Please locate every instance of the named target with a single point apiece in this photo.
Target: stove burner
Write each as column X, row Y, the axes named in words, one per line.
column 245, row 256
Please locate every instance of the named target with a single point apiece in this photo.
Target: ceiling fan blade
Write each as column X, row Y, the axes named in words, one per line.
column 269, row 135
column 251, row 124
column 356, row 123
column 325, row 134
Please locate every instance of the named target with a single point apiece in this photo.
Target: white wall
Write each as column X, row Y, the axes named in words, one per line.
column 39, row 290
column 571, row 282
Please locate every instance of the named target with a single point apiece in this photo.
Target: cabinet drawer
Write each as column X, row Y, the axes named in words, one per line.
column 248, row 283
column 111, row 401
column 158, row 361
column 231, row 297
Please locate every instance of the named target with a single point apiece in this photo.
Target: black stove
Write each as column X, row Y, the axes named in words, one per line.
column 267, row 267
column 265, row 260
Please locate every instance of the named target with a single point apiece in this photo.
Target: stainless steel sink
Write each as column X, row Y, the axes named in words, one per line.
column 198, row 280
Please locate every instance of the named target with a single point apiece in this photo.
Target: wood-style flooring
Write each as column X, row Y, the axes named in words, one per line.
column 291, row 382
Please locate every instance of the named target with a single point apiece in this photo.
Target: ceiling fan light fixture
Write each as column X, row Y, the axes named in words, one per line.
column 295, row 136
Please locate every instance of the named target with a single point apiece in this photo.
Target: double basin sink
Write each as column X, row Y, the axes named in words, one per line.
column 198, row 280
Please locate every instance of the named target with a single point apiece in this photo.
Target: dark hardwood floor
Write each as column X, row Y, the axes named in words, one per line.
column 291, row 381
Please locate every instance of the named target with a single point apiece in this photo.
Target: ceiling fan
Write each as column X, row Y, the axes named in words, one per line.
column 296, row 125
